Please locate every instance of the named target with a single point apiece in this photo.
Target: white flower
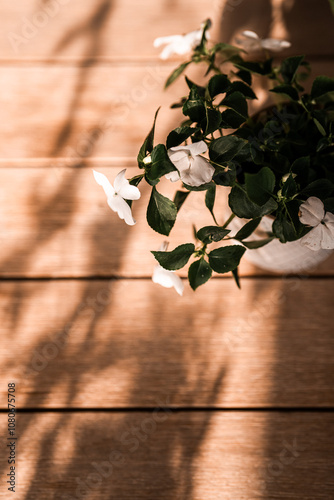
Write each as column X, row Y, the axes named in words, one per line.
column 179, row 44
column 165, row 278
column 252, row 42
column 117, row 194
column 192, row 168
column 312, row 213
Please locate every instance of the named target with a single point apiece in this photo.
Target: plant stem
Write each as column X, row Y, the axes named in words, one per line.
column 231, row 217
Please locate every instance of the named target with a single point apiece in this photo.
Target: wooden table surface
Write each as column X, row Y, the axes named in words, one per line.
column 124, row 389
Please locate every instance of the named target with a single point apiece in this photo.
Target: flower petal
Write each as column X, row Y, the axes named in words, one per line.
column 274, row 44
column 329, row 218
column 193, row 38
column 168, row 51
column 183, row 164
column 163, row 40
column 197, row 148
column 173, row 176
column 312, row 211
column 201, row 172
column 327, row 237
column 313, row 238
column 119, row 180
column 120, row 206
column 167, row 279
column 124, row 188
column 177, row 283
column 250, row 34
column 328, row 234
column 102, row 181
column 178, row 153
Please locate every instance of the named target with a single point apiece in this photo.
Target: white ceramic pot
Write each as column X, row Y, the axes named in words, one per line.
column 290, row 257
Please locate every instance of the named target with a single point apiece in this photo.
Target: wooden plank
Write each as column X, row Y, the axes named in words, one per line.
column 172, row 455
column 105, row 28
column 129, row 343
column 104, row 111
column 56, row 222
column 63, row 28
column 99, row 111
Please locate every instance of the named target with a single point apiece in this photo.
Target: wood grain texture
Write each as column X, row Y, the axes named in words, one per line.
column 78, row 91
column 56, row 222
column 131, row 343
column 73, row 113
column 61, row 29
column 174, row 456
column 96, row 29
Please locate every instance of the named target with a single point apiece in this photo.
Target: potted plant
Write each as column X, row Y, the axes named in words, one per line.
column 277, row 165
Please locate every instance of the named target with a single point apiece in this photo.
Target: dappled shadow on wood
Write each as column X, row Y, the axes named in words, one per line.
column 308, row 445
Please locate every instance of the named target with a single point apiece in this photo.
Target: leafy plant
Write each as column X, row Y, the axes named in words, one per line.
column 274, row 163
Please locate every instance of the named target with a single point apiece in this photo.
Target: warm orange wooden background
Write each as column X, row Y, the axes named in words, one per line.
column 96, row 349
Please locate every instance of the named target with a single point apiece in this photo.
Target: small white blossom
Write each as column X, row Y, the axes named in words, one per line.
column 312, row 213
column 165, row 278
column 192, row 169
column 252, row 42
column 180, row 44
column 117, row 194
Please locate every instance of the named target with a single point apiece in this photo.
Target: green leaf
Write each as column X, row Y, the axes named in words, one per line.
column 211, row 121
column 205, row 26
column 225, row 259
column 286, row 90
column 136, row 180
column 321, row 188
column 253, row 67
column 232, row 119
column 244, row 89
column 289, row 188
column 175, row 259
column 224, row 149
column 284, row 229
column 226, row 49
column 324, row 143
column 301, row 167
column 237, row 102
column 199, row 273
column 202, row 187
column 208, row 234
column 176, row 73
column 257, row 243
column 218, row 84
column 321, row 86
column 244, row 208
column 147, row 144
column 290, row 67
column 161, row 164
column 194, row 106
column 179, row 198
column 320, row 127
column 245, row 76
column 227, row 176
column 210, row 197
column 179, row 135
column 235, row 273
column 260, row 186
column 199, row 88
column 161, row 213
column 331, row 2
column 247, row 229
